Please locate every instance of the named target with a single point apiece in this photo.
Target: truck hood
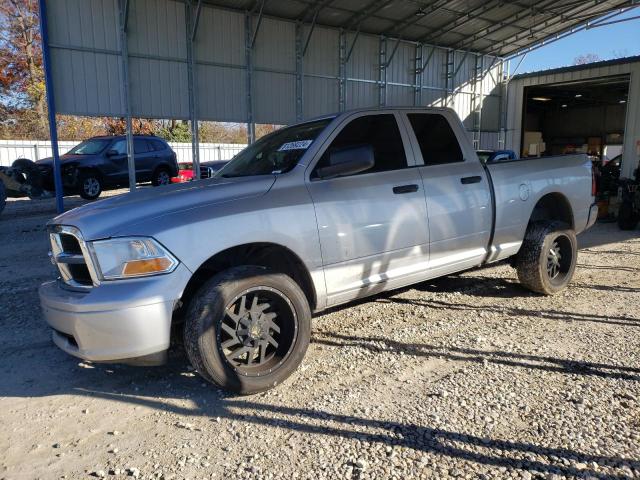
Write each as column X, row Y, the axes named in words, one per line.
column 108, row 217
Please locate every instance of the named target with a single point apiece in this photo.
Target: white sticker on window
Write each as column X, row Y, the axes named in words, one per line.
column 299, row 145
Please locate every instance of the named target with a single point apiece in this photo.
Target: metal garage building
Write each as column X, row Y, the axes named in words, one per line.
column 278, row 61
column 588, row 108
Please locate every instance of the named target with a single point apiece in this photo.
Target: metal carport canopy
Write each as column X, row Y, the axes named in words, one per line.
column 278, row 61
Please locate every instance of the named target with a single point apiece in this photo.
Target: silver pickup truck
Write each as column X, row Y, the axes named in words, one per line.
column 311, row 216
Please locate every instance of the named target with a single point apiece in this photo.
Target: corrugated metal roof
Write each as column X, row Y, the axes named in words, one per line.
column 496, row 27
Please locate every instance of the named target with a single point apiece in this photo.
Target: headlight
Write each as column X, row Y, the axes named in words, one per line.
column 131, row 257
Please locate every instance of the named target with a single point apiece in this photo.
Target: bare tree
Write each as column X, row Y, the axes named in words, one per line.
column 586, row 58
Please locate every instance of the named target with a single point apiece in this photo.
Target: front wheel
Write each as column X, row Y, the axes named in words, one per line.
column 247, row 329
column 547, row 259
column 161, row 176
column 90, row 185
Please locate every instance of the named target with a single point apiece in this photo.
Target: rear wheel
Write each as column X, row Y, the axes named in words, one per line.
column 161, row 176
column 247, row 329
column 547, row 259
column 90, row 185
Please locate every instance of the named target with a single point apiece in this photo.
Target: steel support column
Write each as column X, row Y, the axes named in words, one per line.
column 51, row 106
column 249, row 38
column 449, row 68
column 124, row 66
column 191, row 29
column 417, row 78
column 299, row 80
column 477, row 99
column 342, row 71
column 382, row 74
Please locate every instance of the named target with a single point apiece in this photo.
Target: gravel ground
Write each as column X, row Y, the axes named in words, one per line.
column 468, row 376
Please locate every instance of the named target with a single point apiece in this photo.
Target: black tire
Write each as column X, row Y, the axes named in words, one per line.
column 627, row 218
column 209, row 326
column 547, row 259
column 89, row 185
column 31, row 174
column 161, row 176
column 3, row 196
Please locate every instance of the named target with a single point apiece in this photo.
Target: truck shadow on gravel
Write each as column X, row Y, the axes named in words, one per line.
column 176, row 388
column 256, row 410
column 159, row 388
column 510, row 359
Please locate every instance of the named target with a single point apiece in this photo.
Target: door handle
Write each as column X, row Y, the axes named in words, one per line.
column 405, row 189
column 468, row 180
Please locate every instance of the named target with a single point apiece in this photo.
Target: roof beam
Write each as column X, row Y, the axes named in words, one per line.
column 368, row 11
column 414, row 18
column 516, row 52
column 196, row 21
column 539, row 28
column 257, row 29
column 505, row 22
column 462, row 19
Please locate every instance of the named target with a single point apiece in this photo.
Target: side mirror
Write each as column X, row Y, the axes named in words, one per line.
column 348, row 161
column 112, row 153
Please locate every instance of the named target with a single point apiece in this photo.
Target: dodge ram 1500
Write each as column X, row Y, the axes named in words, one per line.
column 308, row 217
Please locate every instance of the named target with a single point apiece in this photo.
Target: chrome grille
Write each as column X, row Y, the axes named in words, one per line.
column 70, row 255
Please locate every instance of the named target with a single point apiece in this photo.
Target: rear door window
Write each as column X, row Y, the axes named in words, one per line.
column 379, row 131
column 157, row 144
column 437, row 140
column 140, row 145
column 119, row 146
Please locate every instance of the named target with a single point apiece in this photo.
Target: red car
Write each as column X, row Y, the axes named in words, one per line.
column 207, row 169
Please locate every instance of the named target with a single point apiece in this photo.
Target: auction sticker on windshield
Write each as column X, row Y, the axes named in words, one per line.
column 299, row 145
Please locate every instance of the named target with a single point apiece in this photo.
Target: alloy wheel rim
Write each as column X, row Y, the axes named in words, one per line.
column 258, row 331
column 559, row 259
column 91, row 186
column 163, row 178
column 553, row 260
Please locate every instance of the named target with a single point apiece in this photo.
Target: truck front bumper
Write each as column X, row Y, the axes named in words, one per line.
column 117, row 321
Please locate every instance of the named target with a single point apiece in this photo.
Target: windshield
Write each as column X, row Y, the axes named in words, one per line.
column 275, row 153
column 90, row 147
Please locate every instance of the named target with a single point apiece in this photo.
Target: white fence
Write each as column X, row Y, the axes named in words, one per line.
column 10, row 150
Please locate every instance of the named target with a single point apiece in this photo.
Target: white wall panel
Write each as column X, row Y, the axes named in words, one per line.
column 157, row 27
column 275, row 46
column 322, row 57
column 399, row 96
column 274, row 98
column 84, row 23
column 320, row 96
column 220, row 37
column 158, row 88
column 364, row 60
column 87, row 69
column 222, row 93
column 87, row 83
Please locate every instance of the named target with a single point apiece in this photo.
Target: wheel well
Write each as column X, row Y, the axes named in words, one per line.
column 270, row 255
column 553, row 206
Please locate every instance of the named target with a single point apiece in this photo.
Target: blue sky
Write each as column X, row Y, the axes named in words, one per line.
column 611, row 41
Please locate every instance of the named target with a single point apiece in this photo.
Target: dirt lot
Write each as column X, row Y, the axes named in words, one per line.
column 469, row 376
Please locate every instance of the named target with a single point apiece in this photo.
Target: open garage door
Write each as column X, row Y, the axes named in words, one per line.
column 576, row 117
